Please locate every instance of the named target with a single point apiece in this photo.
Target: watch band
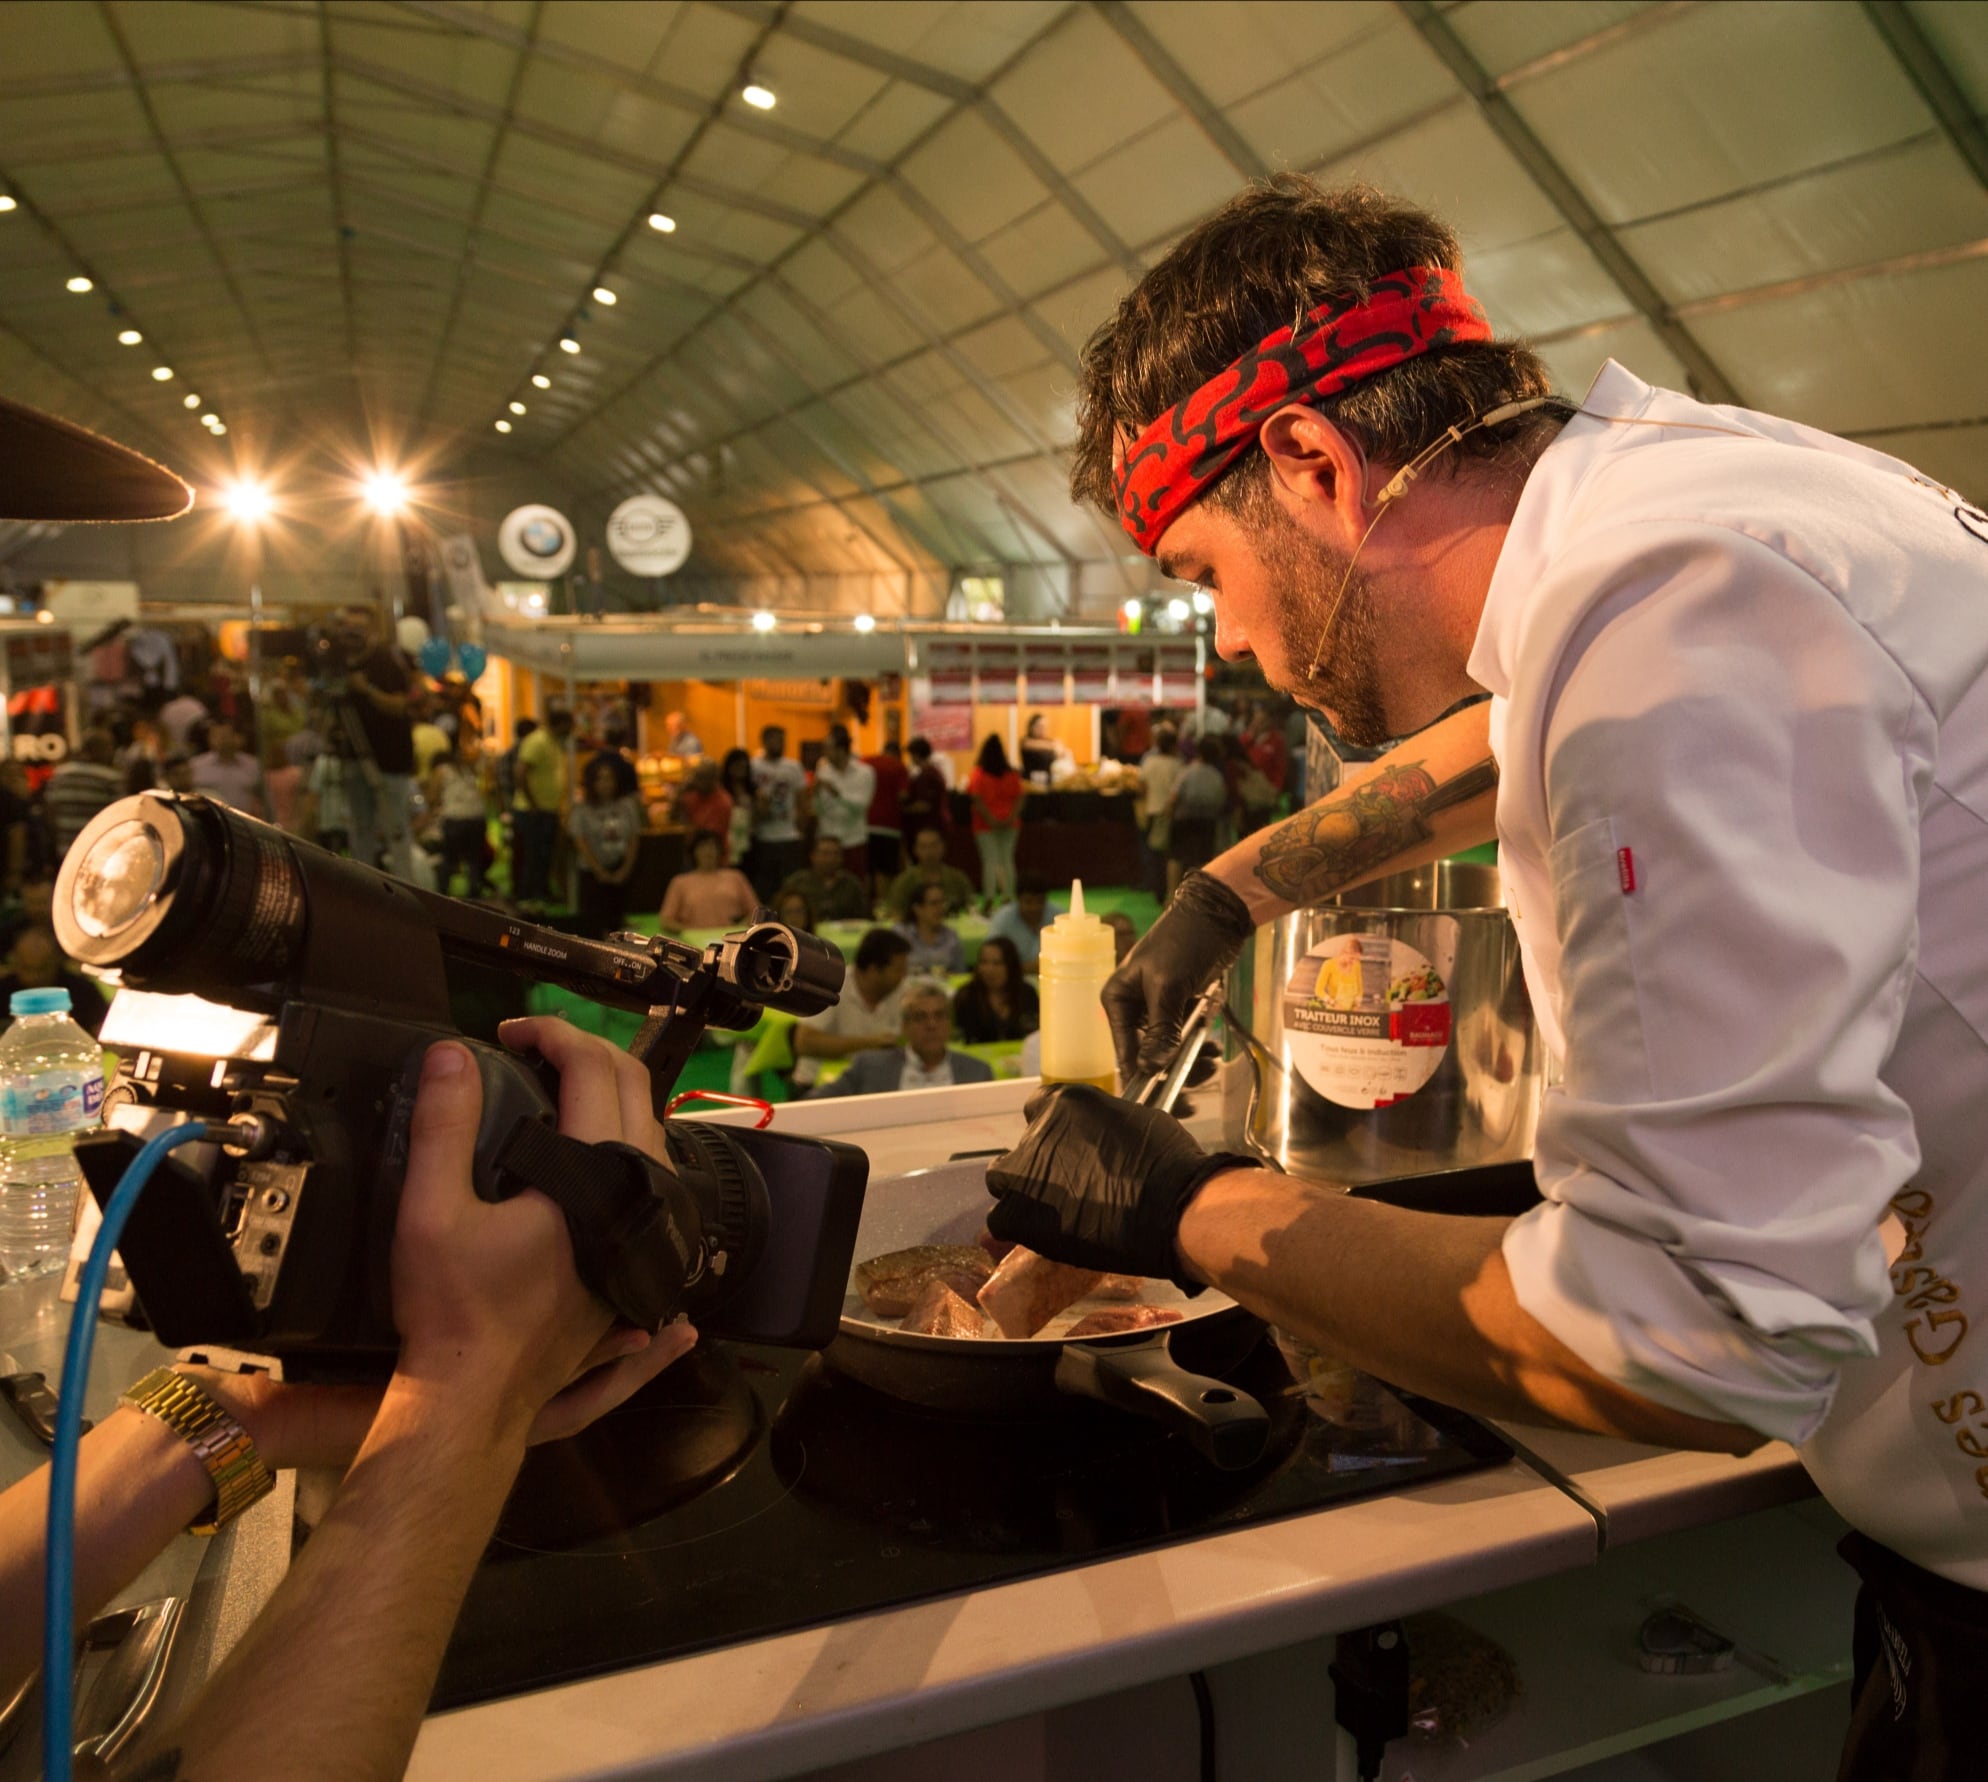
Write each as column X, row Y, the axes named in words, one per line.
column 223, row 1445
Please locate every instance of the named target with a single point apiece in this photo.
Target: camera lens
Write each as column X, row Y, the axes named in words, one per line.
column 117, row 879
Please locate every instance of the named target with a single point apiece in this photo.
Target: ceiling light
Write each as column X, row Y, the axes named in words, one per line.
column 567, row 344
column 7, row 204
column 1204, row 602
column 540, row 381
column 130, row 337
column 44, row 617
column 219, row 428
column 79, row 284
column 758, row 97
column 162, row 373
column 763, row 621
column 192, row 402
column 248, row 501
column 503, row 426
column 1132, row 609
column 603, row 295
column 210, row 420
column 517, row 408
column 866, row 622
column 661, row 224
column 385, row 492
column 1178, row 611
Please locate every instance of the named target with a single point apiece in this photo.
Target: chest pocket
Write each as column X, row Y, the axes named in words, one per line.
column 1607, row 1058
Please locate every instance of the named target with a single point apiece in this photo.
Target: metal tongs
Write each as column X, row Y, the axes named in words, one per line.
column 1163, row 1087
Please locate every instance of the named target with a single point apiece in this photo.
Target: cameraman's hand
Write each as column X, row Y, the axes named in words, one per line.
column 603, row 1092
column 489, row 1307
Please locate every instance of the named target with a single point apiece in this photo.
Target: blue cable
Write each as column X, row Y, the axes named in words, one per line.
column 58, row 1637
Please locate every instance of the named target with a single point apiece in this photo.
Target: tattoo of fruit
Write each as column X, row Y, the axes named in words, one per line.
column 1319, row 851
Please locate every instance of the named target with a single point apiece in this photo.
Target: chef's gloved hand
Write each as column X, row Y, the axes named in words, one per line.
column 1198, row 937
column 1099, row 1183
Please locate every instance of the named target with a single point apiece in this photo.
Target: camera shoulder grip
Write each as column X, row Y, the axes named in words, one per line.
column 637, row 1241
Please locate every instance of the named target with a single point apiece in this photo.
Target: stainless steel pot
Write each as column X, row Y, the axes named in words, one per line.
column 1385, row 1033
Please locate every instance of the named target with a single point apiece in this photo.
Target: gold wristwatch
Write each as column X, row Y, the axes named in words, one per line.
column 224, row 1447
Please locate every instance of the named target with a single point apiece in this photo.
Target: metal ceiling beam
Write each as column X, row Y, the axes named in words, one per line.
column 220, row 70
column 479, row 198
column 1647, row 19
column 1914, row 52
column 116, row 149
column 1706, row 379
column 327, row 75
column 1189, row 97
column 805, row 29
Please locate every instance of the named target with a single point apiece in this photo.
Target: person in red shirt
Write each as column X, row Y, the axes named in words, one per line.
column 997, row 792
column 887, row 815
column 1268, row 752
column 701, row 803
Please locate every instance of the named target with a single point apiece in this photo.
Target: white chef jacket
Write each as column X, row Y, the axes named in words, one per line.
column 1741, row 722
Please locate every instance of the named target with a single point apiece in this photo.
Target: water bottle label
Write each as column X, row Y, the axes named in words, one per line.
column 55, row 1101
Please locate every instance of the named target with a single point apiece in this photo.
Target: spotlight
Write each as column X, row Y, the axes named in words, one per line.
column 763, row 621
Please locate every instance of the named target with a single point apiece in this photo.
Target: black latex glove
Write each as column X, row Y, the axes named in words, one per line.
column 1099, row 1183
column 1197, row 938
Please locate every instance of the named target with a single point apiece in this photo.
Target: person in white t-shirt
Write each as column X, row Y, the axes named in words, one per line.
column 866, row 1016
column 844, row 786
column 779, row 801
column 1736, row 749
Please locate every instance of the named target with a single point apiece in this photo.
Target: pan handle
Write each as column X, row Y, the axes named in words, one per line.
column 1222, row 1421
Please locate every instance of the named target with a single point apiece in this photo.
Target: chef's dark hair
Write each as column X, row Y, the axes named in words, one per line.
column 1280, row 247
column 879, row 947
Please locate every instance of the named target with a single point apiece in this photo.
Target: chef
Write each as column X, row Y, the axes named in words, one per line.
column 1737, row 743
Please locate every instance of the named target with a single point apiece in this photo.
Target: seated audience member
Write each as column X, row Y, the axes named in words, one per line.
column 701, row 803
column 795, row 910
column 38, row 963
column 1023, row 921
column 868, row 1015
column 923, row 1062
column 79, row 788
column 501, row 1347
column 928, row 867
column 837, row 893
column 997, row 1002
column 682, row 740
column 708, row 894
column 935, row 946
column 225, row 773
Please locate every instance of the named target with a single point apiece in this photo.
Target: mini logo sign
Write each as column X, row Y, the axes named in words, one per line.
column 649, row 535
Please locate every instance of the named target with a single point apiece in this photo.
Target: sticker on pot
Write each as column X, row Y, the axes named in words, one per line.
column 1366, row 1019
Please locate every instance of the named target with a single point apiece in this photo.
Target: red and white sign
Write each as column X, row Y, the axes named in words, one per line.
column 1043, row 667
column 1180, row 674
column 1090, row 674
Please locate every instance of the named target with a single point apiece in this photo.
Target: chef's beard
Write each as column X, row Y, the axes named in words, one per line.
column 1328, row 629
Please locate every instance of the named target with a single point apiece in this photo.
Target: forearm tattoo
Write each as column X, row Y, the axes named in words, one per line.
column 1325, row 848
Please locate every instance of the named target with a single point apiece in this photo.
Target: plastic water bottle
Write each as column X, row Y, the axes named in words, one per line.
column 51, row 1088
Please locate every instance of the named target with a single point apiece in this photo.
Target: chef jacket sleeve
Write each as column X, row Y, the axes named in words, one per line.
column 1719, row 732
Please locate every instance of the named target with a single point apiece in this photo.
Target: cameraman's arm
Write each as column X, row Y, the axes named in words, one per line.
column 332, row 1679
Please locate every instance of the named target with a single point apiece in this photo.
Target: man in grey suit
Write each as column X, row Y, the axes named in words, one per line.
column 923, row 1062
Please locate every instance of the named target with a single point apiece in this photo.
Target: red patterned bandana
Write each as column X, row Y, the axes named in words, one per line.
column 1339, row 343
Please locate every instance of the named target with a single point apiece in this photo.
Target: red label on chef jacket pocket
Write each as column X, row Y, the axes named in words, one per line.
column 1625, row 869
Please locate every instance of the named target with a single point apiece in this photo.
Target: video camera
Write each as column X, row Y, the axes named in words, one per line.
column 293, row 994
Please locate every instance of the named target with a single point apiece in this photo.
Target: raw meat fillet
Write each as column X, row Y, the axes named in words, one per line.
column 1028, row 1290
column 942, row 1312
column 1122, row 1318
column 997, row 1248
column 891, row 1282
column 1119, row 1287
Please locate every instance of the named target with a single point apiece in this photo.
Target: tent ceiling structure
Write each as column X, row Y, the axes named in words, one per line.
column 855, row 350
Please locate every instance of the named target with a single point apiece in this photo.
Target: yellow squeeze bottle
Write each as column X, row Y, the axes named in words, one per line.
column 1077, row 957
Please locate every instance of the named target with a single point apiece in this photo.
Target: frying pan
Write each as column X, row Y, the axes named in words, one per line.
column 1136, row 1370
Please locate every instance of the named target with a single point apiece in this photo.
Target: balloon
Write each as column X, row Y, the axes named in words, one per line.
column 411, row 634
column 433, row 654
column 471, row 659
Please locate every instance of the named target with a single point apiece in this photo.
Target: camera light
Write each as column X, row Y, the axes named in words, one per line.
column 763, row 621
column 866, row 622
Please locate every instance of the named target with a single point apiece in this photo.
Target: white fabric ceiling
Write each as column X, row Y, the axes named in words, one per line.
column 855, row 352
